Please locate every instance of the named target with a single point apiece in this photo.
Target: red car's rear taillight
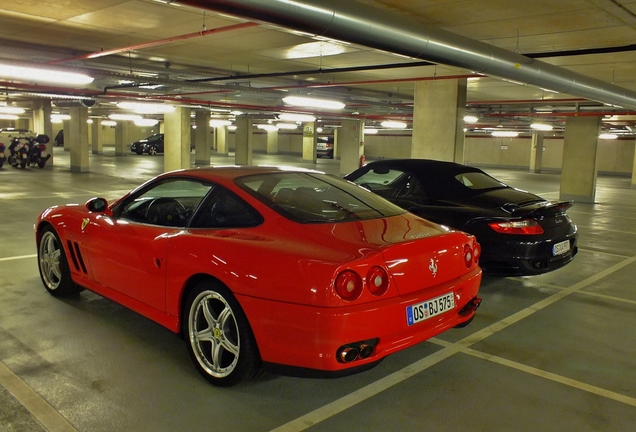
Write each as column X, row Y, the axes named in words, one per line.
column 377, row 281
column 348, row 285
column 525, row 227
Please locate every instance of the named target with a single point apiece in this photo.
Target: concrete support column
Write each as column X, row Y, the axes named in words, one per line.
column 24, row 123
column 536, row 152
column 351, row 145
column 97, row 138
column 310, row 142
column 336, row 148
column 243, row 141
column 580, row 145
column 42, row 123
column 220, row 138
column 122, row 134
column 202, row 137
column 272, row 142
column 438, row 120
column 177, row 139
column 78, row 139
column 633, row 186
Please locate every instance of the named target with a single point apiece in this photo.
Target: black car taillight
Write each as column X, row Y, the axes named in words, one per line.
column 523, row 227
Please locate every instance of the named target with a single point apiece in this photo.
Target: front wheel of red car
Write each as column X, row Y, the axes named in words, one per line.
column 53, row 265
column 219, row 337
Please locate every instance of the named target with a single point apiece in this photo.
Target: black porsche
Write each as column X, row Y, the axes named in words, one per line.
column 520, row 233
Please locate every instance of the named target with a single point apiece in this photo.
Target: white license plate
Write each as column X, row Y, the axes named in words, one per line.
column 430, row 308
column 561, row 248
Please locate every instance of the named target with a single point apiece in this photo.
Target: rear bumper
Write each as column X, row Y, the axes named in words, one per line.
column 309, row 337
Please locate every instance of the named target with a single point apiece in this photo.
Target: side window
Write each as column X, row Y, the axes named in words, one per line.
column 412, row 192
column 168, row 203
column 223, row 209
column 384, row 182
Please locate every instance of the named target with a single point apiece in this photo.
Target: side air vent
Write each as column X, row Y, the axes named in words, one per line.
column 76, row 256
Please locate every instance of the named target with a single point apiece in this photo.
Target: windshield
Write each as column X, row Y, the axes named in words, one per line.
column 315, row 198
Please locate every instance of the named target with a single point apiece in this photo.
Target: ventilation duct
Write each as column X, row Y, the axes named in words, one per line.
column 355, row 22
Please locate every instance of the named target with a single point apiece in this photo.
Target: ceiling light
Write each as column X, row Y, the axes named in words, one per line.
column 8, row 117
column 219, row 123
column 109, row 123
column 232, row 127
column 89, row 121
column 368, row 131
column 11, row 110
column 37, row 74
column 146, row 122
column 608, row 136
column 267, row 127
column 297, row 117
column 289, row 126
column 541, row 126
column 131, row 117
column 146, row 108
column 319, row 130
column 314, row 49
column 314, row 103
column 393, row 125
column 470, row 119
column 237, row 113
column 505, row 134
column 60, row 117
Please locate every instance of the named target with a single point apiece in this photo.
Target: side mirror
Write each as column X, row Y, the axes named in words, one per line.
column 99, row 205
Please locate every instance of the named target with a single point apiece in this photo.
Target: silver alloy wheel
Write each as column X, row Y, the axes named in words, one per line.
column 214, row 334
column 50, row 256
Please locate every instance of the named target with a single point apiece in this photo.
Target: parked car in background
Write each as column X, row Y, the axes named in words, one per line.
column 151, row 145
column 520, row 233
column 264, row 265
column 325, row 147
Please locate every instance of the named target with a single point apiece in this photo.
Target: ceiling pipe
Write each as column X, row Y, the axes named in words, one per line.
column 355, row 22
column 103, row 53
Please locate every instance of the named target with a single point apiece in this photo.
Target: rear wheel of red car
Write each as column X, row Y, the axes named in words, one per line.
column 220, row 340
column 53, row 265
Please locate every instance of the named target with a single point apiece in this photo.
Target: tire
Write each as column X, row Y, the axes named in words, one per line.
column 53, row 266
column 139, row 150
column 23, row 163
column 218, row 336
column 152, row 150
column 41, row 163
column 1, row 162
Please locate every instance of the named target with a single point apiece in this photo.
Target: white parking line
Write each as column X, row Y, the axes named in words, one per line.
column 19, row 257
column 339, row 405
column 52, row 420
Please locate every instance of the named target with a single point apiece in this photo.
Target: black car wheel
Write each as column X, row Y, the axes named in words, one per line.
column 218, row 335
column 152, row 150
column 139, row 150
column 53, row 265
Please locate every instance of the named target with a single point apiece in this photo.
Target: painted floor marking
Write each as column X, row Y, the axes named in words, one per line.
column 52, row 420
column 19, row 257
column 370, row 390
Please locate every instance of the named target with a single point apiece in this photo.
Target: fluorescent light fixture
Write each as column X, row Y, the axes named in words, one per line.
column 314, row 103
column 314, row 49
column 505, row 134
column 146, row 122
column 146, row 108
column 267, row 127
column 89, row 121
column 124, row 117
column 319, row 130
column 219, row 123
column 37, row 74
column 287, row 126
column 297, row 117
column 236, row 113
column 393, row 125
column 609, row 136
column 369, row 131
column 56, row 120
column 231, row 128
column 470, row 119
column 60, row 117
column 541, row 126
column 8, row 117
column 11, row 110
column 109, row 123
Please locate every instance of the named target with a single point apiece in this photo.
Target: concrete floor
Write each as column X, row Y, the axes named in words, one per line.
column 549, row 353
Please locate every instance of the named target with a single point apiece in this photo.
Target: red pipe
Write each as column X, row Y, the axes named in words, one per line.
column 155, row 43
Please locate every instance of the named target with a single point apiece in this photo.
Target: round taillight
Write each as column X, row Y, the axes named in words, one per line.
column 476, row 252
column 377, row 281
column 348, row 285
column 468, row 255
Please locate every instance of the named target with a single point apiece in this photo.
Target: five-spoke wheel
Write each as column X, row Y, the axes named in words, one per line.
column 53, row 266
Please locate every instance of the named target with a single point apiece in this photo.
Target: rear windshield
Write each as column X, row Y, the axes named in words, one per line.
column 478, row 180
column 316, row 198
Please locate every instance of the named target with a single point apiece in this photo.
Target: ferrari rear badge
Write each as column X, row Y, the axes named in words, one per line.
column 433, row 267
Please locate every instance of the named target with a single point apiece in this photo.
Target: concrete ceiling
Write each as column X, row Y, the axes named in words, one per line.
column 189, row 56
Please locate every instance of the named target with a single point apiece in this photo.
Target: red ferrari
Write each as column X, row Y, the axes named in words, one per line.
column 262, row 266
